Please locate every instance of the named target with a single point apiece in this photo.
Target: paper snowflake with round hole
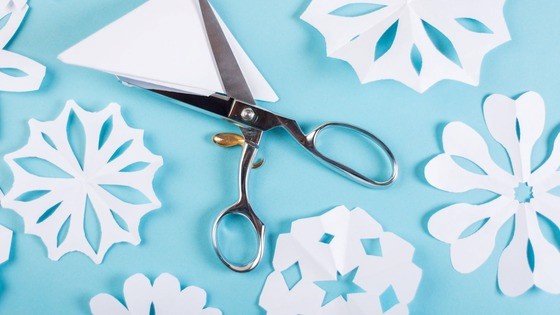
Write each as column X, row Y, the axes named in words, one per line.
column 416, row 42
column 165, row 297
column 65, row 181
column 341, row 262
column 524, row 195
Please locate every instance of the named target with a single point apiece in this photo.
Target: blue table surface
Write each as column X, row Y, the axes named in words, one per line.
column 198, row 178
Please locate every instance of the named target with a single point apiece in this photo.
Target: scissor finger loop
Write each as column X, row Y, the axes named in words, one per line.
column 311, row 146
column 244, row 209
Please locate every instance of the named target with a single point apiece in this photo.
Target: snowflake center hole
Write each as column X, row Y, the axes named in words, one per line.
column 524, row 193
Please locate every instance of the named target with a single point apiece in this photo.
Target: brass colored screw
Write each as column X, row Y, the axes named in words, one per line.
column 227, row 140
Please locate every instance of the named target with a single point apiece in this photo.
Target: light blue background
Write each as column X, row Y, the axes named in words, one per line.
column 198, row 178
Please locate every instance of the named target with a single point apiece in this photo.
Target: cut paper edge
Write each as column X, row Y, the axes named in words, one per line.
column 116, row 217
column 354, row 38
column 34, row 71
column 165, row 295
column 524, row 194
column 5, row 243
column 6, row 236
column 151, row 58
column 341, row 253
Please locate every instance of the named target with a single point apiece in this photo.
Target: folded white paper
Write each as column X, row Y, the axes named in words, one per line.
column 524, row 196
column 164, row 296
column 15, row 11
column 418, row 43
column 164, row 43
column 60, row 188
column 344, row 247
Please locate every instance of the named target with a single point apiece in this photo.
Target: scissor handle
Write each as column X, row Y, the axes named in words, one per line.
column 244, row 209
column 242, row 206
column 308, row 141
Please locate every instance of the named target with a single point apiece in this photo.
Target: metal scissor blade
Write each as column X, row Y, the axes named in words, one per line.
column 214, row 104
column 233, row 80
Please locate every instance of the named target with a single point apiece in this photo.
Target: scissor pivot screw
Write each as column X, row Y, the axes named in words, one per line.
column 247, row 114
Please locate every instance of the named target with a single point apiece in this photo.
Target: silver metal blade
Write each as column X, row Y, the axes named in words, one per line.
column 233, row 80
column 216, row 105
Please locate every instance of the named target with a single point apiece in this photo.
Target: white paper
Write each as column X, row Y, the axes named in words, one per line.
column 165, row 295
column 75, row 184
column 319, row 261
column 5, row 243
column 164, row 42
column 516, row 125
column 355, row 38
column 5, row 240
column 34, row 72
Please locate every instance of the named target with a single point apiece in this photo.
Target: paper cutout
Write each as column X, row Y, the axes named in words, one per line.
column 418, row 43
column 164, row 43
column 372, row 262
column 14, row 11
column 55, row 205
column 165, row 296
column 5, row 243
column 524, row 195
column 5, row 240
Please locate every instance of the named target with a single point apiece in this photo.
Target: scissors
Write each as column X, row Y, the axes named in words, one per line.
column 238, row 107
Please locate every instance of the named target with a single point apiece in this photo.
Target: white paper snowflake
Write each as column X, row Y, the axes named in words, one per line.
column 13, row 12
column 416, row 42
column 165, row 297
column 5, row 243
column 56, row 192
column 341, row 262
column 524, row 195
column 5, row 239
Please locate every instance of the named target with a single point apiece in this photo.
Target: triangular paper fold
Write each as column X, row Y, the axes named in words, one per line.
column 164, row 43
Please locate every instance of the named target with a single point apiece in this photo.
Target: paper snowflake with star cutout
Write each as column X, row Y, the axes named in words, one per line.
column 341, row 262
